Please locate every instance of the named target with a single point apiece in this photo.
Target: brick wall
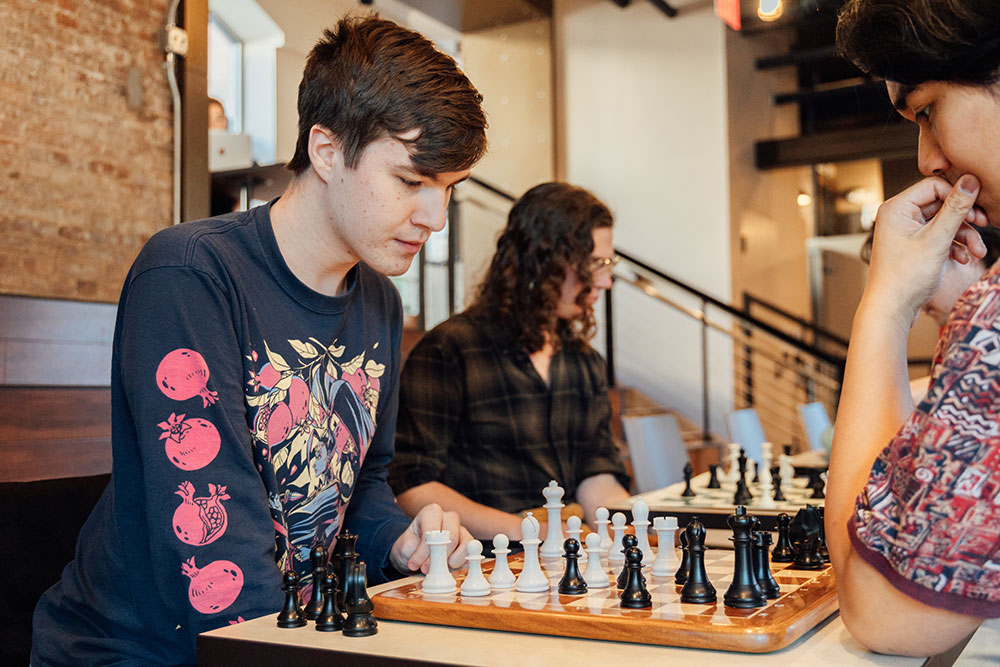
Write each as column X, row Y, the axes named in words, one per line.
column 85, row 143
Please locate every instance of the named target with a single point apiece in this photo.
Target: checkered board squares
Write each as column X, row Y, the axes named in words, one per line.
column 807, row 597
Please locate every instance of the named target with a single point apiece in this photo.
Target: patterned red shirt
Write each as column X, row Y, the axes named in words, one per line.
column 929, row 518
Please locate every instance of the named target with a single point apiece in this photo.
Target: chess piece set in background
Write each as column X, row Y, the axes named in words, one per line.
column 339, row 598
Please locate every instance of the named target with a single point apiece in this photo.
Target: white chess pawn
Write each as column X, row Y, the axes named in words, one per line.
column 615, row 554
column 595, row 576
column 532, row 579
column 787, row 471
column 765, row 496
column 574, row 527
column 640, row 521
column 475, row 584
column 553, row 545
column 602, row 522
column 666, row 562
column 438, row 579
column 501, row 577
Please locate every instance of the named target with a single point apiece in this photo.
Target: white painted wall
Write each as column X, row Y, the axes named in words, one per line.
column 641, row 112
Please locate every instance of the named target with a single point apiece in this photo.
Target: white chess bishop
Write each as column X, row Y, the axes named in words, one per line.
column 532, row 579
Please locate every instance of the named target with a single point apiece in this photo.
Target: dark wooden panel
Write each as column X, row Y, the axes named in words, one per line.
column 54, row 433
column 55, row 342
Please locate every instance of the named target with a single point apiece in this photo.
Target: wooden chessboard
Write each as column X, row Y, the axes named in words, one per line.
column 714, row 506
column 807, row 598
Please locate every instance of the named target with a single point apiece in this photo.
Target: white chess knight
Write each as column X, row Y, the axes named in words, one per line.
column 475, row 584
column 666, row 562
column 501, row 577
column 732, row 474
column 765, row 497
column 640, row 521
column 532, row 579
column 553, row 545
column 595, row 575
column 615, row 554
column 438, row 579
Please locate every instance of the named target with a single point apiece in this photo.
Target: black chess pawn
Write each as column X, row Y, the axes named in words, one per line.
column 787, row 449
column 628, row 541
column 816, row 483
column 635, row 595
column 330, row 618
column 317, row 560
column 783, row 551
column 697, row 589
column 713, row 476
column 756, row 473
column 762, row 565
column 688, row 471
column 572, row 582
column 291, row 615
column 357, row 604
column 681, row 576
column 779, row 495
column 743, row 591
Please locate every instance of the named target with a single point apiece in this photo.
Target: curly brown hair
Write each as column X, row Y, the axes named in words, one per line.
column 549, row 232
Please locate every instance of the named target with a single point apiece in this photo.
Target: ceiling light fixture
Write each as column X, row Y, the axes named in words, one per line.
column 770, row 10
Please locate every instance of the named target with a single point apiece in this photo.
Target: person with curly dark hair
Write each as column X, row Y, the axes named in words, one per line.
column 498, row 400
column 912, row 511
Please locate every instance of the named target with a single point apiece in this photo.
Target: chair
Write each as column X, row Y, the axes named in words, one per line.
column 657, row 450
column 814, row 423
column 746, row 430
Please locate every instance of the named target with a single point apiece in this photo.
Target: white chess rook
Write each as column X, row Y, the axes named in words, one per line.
column 615, row 554
column 532, row 579
column 666, row 562
column 553, row 545
column 595, row 575
column 640, row 521
column 501, row 577
column 475, row 584
column 438, row 579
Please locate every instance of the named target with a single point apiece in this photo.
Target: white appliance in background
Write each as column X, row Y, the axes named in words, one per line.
column 228, row 151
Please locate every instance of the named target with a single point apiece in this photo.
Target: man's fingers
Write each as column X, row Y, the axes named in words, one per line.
column 970, row 238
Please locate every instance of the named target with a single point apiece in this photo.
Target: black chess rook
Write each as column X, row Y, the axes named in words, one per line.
column 357, row 604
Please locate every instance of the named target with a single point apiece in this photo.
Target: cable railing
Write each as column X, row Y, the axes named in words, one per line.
column 767, row 368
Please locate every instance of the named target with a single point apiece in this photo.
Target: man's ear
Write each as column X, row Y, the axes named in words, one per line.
column 325, row 152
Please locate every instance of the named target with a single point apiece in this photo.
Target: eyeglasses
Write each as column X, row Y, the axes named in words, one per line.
column 603, row 264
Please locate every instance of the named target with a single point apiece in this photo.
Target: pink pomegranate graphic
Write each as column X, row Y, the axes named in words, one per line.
column 298, row 400
column 190, row 443
column 200, row 521
column 274, row 422
column 183, row 374
column 213, row 587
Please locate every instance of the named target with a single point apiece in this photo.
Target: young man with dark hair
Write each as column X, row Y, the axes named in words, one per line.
column 498, row 400
column 255, row 370
column 912, row 525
